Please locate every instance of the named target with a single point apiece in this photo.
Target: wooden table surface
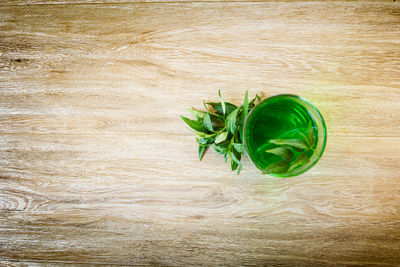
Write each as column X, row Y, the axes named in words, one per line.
column 96, row 166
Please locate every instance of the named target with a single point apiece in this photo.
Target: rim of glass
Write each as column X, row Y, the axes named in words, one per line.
column 320, row 124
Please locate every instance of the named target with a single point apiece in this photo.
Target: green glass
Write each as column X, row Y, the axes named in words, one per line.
column 284, row 117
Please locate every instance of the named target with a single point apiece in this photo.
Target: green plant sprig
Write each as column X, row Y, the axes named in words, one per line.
column 286, row 149
column 221, row 126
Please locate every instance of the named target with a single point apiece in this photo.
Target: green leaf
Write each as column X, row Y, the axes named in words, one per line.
column 292, row 148
column 205, row 135
column 202, row 149
column 197, row 113
column 239, row 147
column 222, row 102
column 234, row 164
column 245, row 105
column 207, row 123
column 202, row 141
column 206, row 107
column 205, row 141
column 289, row 142
column 221, row 137
column 229, row 107
column 217, row 124
column 236, row 159
column 265, row 146
column 231, row 121
column 238, row 156
column 311, row 135
column 299, row 161
column 220, row 148
column 239, row 168
column 216, row 117
column 195, row 125
column 281, row 152
column 245, row 110
column 277, row 167
column 252, row 102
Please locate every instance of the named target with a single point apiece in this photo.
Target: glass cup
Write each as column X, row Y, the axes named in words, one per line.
column 284, row 135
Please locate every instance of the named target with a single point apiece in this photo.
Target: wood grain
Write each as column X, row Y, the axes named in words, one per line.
column 96, row 168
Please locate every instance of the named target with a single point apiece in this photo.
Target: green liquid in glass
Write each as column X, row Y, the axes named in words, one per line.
column 279, row 117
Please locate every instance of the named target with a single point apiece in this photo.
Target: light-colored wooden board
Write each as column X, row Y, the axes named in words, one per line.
column 96, row 167
column 123, row 2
